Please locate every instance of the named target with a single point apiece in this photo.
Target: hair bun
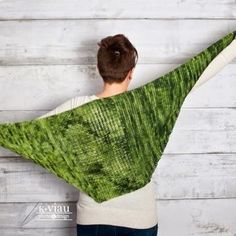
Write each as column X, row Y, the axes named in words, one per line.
column 112, row 44
column 116, row 52
column 113, row 47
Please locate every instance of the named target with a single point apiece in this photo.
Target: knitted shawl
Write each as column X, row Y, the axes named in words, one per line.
column 111, row 146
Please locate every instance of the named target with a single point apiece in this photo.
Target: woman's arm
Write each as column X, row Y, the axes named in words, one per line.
column 221, row 60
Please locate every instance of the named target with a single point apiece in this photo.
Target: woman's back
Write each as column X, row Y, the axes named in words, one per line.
column 136, row 209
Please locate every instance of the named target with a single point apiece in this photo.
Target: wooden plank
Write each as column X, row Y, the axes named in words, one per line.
column 38, row 232
column 38, row 215
column 185, row 141
column 196, row 176
column 176, row 176
column 196, row 131
column 208, row 119
column 208, row 217
column 57, row 9
column 25, row 88
column 190, row 118
column 71, row 42
column 22, row 180
column 198, row 217
column 190, row 136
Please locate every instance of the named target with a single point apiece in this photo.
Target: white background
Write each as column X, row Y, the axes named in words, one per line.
column 48, row 55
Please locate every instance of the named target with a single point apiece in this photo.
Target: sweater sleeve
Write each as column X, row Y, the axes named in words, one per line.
column 220, row 61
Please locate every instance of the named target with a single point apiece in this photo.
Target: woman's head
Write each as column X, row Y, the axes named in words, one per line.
column 115, row 58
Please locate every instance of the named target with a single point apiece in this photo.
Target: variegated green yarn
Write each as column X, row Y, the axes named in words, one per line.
column 111, row 146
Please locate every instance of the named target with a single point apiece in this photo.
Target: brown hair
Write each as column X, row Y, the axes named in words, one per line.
column 115, row 58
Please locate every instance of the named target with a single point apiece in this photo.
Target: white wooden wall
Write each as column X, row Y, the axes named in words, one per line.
column 48, row 54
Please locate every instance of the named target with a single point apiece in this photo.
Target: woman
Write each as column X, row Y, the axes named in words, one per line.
column 134, row 213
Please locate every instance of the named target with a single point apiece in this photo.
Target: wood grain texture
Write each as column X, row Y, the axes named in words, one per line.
column 60, row 9
column 208, row 217
column 40, row 88
column 50, row 42
column 177, row 176
column 21, row 180
column 31, row 215
column 38, row 232
column 193, row 176
column 56, row 145
column 46, row 61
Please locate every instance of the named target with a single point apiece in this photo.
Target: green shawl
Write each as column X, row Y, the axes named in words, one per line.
column 111, row 146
